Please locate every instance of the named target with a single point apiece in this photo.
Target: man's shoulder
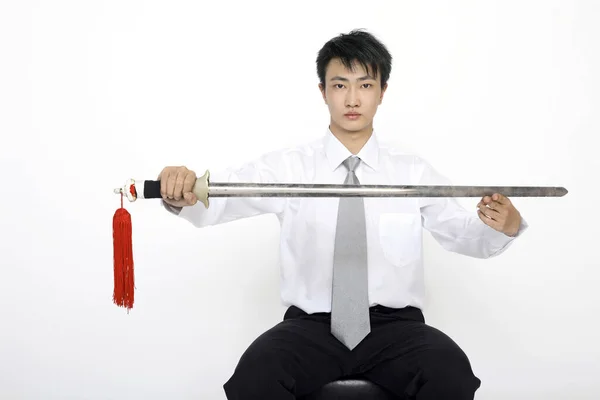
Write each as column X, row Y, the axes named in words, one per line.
column 398, row 153
column 307, row 148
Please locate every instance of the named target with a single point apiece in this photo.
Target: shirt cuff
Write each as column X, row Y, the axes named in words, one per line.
column 500, row 241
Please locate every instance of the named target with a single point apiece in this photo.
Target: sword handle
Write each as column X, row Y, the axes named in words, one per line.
column 150, row 189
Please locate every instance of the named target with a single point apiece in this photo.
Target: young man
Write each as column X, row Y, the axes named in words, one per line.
column 352, row 272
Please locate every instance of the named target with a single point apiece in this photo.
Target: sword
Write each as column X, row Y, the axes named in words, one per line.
column 205, row 189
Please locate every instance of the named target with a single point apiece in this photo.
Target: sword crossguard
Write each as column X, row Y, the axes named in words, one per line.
column 201, row 188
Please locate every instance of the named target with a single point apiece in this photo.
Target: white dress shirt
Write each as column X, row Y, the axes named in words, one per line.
column 394, row 224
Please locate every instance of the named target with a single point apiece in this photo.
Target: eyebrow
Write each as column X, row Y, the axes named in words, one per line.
column 341, row 78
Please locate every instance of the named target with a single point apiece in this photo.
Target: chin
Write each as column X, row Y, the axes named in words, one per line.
column 351, row 126
column 354, row 127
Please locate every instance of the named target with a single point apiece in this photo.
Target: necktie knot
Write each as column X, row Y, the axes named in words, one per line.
column 351, row 163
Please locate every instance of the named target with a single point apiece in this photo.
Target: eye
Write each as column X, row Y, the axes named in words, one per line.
column 367, row 85
column 339, row 86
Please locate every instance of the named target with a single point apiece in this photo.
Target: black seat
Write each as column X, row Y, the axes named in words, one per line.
column 351, row 389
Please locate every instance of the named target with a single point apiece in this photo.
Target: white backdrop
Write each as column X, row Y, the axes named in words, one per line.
column 94, row 93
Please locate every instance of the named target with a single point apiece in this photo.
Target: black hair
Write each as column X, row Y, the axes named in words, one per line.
column 357, row 46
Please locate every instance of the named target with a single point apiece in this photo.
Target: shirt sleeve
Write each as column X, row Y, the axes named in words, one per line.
column 455, row 228
column 269, row 168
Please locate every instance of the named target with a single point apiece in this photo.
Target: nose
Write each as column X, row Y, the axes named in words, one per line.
column 352, row 99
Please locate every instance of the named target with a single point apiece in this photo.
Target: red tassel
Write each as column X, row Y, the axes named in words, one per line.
column 123, row 259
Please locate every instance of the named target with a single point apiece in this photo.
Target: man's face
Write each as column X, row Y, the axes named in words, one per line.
column 352, row 98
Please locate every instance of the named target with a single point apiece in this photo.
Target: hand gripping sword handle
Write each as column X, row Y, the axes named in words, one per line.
column 150, row 189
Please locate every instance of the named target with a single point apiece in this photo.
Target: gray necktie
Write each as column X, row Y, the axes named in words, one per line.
column 350, row 321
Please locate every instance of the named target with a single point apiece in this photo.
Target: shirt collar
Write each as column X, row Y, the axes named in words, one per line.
column 336, row 152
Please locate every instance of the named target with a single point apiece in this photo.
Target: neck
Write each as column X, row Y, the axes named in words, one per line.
column 354, row 141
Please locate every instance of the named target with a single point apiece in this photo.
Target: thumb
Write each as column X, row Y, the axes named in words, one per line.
column 190, row 198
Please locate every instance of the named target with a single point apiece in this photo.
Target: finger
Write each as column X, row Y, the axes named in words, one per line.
column 190, row 198
column 488, row 199
column 171, row 179
column 488, row 221
column 497, row 197
column 188, row 185
column 489, row 212
column 494, row 205
column 178, row 189
column 491, row 205
column 189, row 181
column 164, row 182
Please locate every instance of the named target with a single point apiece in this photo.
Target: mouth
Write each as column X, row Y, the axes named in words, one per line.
column 352, row 116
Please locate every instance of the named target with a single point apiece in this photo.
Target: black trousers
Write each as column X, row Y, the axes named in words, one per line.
column 401, row 353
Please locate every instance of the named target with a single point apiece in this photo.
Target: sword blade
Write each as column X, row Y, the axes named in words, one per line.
column 239, row 189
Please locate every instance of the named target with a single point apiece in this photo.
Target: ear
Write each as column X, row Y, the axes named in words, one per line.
column 382, row 92
column 322, row 89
